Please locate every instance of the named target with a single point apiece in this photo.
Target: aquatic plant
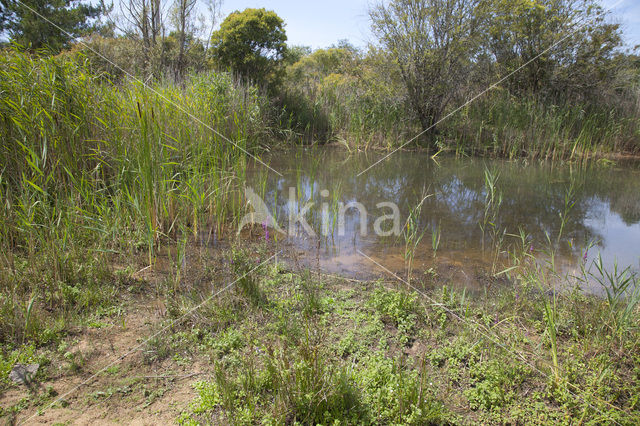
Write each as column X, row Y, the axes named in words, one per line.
column 93, row 169
column 622, row 293
column 413, row 233
column 435, row 239
column 489, row 221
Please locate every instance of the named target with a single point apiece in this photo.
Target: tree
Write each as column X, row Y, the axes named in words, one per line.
column 214, row 13
column 310, row 70
column 24, row 25
column 252, row 43
column 183, row 55
column 295, row 53
column 567, row 44
column 433, row 43
column 144, row 18
column 185, row 30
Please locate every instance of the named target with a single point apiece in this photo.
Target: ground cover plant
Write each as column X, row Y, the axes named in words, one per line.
column 287, row 346
column 123, row 162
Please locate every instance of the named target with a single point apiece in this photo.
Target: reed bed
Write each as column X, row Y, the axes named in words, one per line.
column 92, row 170
column 501, row 125
column 348, row 112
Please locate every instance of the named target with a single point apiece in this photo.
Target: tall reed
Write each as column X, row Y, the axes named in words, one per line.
column 91, row 168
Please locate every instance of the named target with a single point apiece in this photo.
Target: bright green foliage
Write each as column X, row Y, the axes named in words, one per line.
column 521, row 30
column 622, row 291
column 252, row 43
column 90, row 168
column 313, row 68
column 341, row 94
column 277, row 365
column 432, row 42
column 33, row 32
column 494, row 383
column 398, row 308
column 295, row 53
column 397, row 395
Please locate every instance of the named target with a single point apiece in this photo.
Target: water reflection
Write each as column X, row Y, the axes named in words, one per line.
column 605, row 212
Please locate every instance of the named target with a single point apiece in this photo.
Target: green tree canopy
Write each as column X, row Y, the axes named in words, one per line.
column 319, row 64
column 433, row 43
column 21, row 21
column 445, row 50
column 569, row 46
column 252, row 43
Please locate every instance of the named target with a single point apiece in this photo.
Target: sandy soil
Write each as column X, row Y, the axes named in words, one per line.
column 131, row 392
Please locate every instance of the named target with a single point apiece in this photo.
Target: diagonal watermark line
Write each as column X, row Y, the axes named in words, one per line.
column 491, row 87
column 136, row 348
column 493, row 339
column 144, row 83
column 441, row 305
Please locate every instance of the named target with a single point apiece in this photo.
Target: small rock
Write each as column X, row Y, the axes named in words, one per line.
column 23, row 374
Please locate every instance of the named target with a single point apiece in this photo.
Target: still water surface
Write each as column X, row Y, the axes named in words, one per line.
column 604, row 213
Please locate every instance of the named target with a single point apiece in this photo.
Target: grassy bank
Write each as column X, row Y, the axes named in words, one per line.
column 284, row 346
column 319, row 350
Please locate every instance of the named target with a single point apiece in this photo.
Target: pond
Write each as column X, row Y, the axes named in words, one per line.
column 579, row 212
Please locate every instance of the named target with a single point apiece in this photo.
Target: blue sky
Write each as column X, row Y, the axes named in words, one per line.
column 315, row 23
column 322, row 23
column 627, row 13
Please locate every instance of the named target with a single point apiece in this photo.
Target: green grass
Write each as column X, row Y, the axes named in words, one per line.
column 285, row 368
column 94, row 174
column 286, row 347
column 372, row 353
